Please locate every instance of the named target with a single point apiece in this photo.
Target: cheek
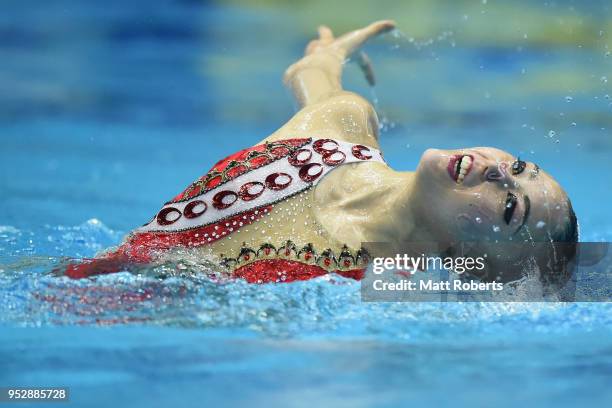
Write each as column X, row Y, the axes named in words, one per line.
column 476, row 219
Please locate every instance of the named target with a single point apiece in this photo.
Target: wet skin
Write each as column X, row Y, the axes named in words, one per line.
column 481, row 194
column 500, row 198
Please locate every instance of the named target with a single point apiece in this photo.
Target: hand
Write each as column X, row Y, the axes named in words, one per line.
column 348, row 43
column 318, row 75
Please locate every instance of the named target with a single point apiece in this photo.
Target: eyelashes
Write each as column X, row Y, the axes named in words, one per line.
column 518, row 166
column 509, row 208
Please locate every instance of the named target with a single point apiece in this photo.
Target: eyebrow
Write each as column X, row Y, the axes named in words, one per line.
column 527, row 202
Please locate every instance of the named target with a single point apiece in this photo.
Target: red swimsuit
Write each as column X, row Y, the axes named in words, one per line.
column 239, row 190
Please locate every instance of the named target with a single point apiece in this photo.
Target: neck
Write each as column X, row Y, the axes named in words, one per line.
column 361, row 204
column 396, row 221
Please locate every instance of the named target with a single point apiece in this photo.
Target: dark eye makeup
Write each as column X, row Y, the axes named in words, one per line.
column 510, row 207
column 518, row 166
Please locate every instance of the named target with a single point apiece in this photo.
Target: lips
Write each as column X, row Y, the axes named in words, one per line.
column 459, row 166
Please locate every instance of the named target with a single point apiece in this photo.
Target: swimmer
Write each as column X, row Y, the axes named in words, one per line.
column 301, row 202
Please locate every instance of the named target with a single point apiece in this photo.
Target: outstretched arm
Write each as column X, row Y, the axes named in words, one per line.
column 318, row 75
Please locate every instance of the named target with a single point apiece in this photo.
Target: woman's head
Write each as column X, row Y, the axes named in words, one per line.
column 486, row 196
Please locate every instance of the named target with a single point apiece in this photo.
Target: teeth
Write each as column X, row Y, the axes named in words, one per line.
column 466, row 162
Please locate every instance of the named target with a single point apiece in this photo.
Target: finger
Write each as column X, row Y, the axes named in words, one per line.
column 356, row 38
column 326, row 37
column 351, row 41
column 380, row 26
column 325, row 34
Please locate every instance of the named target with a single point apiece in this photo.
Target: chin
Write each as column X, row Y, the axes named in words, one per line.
column 431, row 159
column 433, row 166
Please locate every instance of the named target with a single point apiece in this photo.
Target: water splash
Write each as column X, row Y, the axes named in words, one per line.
column 402, row 41
column 406, row 46
column 190, row 293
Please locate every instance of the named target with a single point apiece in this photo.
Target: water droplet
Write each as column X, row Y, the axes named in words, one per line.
column 551, row 133
column 604, row 79
column 540, row 224
column 478, row 220
column 557, row 141
column 578, row 145
column 568, row 99
column 574, row 124
column 496, row 228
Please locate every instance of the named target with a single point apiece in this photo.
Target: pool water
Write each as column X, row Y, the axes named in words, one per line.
column 109, row 109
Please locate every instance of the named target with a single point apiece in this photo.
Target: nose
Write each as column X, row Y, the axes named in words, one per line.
column 497, row 173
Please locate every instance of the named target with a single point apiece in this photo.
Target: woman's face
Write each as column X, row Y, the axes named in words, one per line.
column 487, row 195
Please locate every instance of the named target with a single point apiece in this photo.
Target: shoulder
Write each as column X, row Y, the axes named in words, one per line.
column 343, row 116
column 347, row 108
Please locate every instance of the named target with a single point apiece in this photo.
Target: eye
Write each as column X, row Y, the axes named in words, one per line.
column 509, row 207
column 518, row 166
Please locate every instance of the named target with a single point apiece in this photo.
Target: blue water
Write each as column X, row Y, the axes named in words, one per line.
column 108, row 109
